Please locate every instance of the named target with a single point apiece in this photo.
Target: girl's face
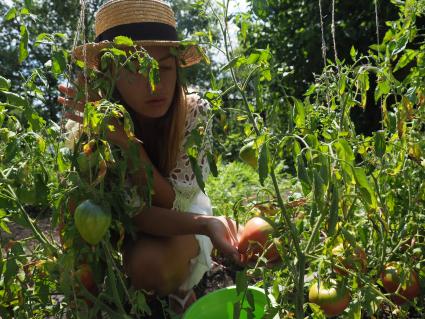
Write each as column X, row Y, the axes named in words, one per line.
column 136, row 91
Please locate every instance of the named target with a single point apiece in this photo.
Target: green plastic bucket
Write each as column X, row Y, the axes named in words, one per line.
column 219, row 304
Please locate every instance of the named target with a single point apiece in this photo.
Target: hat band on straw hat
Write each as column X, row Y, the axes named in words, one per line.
column 140, row 31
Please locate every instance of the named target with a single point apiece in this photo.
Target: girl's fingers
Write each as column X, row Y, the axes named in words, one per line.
column 78, row 106
column 66, row 90
column 232, row 228
column 74, row 117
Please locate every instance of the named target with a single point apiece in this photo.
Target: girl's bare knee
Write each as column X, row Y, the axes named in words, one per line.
column 158, row 265
column 143, row 266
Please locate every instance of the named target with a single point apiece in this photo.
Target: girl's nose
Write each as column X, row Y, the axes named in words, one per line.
column 154, row 90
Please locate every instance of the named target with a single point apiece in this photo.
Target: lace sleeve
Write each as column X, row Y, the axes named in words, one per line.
column 73, row 131
column 182, row 176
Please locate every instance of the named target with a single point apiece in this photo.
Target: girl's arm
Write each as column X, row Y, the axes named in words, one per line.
column 166, row 222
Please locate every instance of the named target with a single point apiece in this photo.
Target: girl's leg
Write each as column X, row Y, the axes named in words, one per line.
column 159, row 264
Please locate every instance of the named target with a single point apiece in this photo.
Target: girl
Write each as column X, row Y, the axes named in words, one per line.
column 177, row 233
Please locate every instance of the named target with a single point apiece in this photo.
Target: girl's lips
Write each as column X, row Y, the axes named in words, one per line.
column 152, row 101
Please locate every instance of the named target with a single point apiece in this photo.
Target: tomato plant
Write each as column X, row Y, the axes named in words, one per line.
column 319, row 181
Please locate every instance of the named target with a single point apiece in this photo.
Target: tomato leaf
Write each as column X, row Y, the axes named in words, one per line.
column 212, row 164
column 379, row 139
column 4, row 84
column 263, row 163
column 15, row 99
column 236, row 310
column 250, row 298
column 303, row 176
column 299, row 113
column 58, row 62
column 122, row 40
column 346, row 156
column 241, row 282
column 11, row 14
column 372, row 300
column 62, row 163
column 3, row 221
column 366, row 191
column 197, row 171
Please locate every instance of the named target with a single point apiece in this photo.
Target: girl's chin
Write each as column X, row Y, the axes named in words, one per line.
column 153, row 112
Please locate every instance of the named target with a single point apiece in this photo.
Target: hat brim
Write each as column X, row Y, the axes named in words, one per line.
column 90, row 52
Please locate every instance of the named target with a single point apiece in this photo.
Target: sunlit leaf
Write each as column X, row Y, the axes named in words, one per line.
column 4, row 84
column 11, row 14
column 379, row 141
column 367, row 192
column 299, row 113
column 122, row 40
column 23, row 44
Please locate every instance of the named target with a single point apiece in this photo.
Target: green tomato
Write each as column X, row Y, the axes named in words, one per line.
column 249, row 155
column 86, row 162
column 332, row 298
column 92, row 221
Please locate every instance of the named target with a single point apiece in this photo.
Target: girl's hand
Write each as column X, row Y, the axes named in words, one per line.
column 69, row 102
column 117, row 137
column 224, row 236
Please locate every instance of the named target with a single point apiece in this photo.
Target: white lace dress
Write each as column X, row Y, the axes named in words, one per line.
column 188, row 195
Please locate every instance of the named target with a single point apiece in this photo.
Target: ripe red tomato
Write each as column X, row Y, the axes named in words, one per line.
column 255, row 238
column 85, row 275
column 353, row 259
column 391, row 280
column 330, row 297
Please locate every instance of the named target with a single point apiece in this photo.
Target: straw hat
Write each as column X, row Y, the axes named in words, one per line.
column 146, row 22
